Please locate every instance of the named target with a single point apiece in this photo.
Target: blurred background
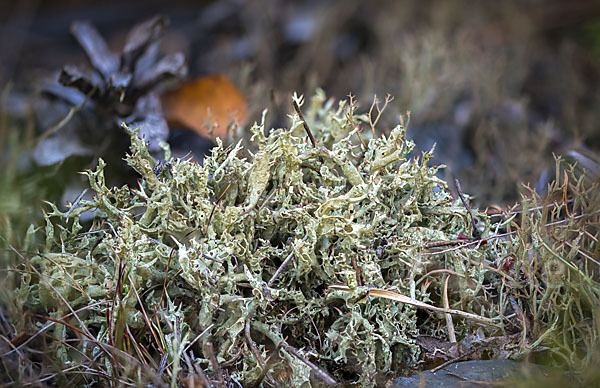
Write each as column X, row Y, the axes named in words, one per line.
column 499, row 87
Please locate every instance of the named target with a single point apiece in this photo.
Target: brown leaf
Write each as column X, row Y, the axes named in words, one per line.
column 204, row 102
column 378, row 292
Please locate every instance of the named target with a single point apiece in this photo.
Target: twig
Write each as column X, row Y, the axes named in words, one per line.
column 251, row 342
column 524, row 324
column 198, row 337
column 476, row 233
column 323, row 375
column 443, row 243
column 457, row 358
column 84, row 330
column 49, row 325
column 210, row 258
column 4, row 325
column 52, row 130
column 391, row 295
column 470, row 243
column 564, row 193
column 264, row 370
column 269, row 197
column 282, row 344
column 358, row 130
column 357, row 270
column 215, row 206
column 449, row 323
column 282, row 266
column 210, row 354
column 511, row 212
column 199, row 372
column 76, row 203
column 145, row 316
column 304, row 124
column 164, row 290
column 67, row 274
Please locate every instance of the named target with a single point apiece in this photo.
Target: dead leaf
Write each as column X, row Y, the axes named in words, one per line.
column 378, row 292
column 211, row 101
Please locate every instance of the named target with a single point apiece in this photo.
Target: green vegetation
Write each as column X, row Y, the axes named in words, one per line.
column 223, row 272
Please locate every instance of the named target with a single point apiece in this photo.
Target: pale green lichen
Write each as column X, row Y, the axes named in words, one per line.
column 199, row 246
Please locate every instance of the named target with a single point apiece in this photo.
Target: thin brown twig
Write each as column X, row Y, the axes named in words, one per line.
column 215, row 206
column 62, row 122
column 164, row 291
column 259, row 360
column 199, row 372
column 564, row 192
column 304, row 124
column 476, row 233
column 146, row 319
column 269, row 197
column 282, row 266
column 77, row 330
column 449, row 323
column 443, row 243
column 265, row 371
column 84, row 330
column 67, row 274
column 457, row 358
column 467, row 244
column 210, row 354
column 116, row 295
column 198, row 337
column 357, row 271
column 140, row 350
column 358, row 130
column 323, row 375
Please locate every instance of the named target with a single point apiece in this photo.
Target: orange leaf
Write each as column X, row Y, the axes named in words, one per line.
column 211, row 101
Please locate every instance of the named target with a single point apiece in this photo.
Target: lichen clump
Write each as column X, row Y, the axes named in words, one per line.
column 227, row 265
